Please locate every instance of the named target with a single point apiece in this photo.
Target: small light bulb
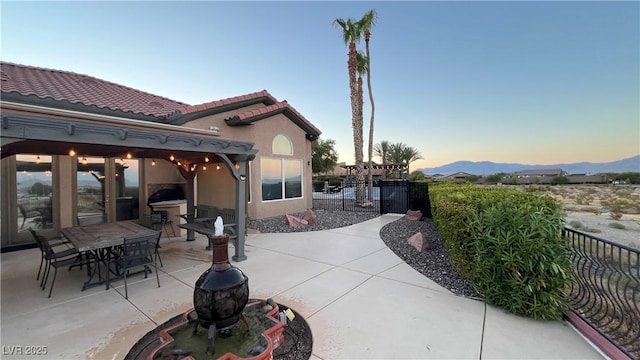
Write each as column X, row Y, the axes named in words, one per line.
column 179, row 163
column 121, row 162
column 84, row 160
column 172, row 158
column 218, row 167
column 206, row 159
column 204, row 167
column 128, row 155
column 72, row 152
column 38, row 159
column 153, row 162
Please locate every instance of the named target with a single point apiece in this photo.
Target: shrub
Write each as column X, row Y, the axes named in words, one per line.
column 560, row 180
column 615, row 215
column 521, row 263
column 453, row 207
column 617, row 225
column 576, row 224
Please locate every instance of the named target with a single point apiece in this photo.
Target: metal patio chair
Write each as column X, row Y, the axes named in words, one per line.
column 137, row 251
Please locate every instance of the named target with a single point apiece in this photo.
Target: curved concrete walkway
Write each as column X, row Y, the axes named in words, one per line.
column 360, row 299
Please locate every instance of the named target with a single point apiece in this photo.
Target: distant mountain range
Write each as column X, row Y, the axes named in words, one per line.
column 488, row 167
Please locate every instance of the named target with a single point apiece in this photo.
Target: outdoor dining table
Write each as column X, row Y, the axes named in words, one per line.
column 100, row 240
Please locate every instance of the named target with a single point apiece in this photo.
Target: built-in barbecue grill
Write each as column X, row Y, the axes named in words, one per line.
column 165, row 195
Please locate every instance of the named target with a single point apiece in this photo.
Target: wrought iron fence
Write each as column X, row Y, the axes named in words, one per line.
column 387, row 196
column 606, row 288
column 342, row 196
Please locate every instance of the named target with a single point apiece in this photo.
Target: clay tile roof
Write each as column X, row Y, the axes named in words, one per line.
column 228, row 101
column 247, row 116
column 81, row 89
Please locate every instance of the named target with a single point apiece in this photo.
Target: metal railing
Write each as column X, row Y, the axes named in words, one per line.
column 342, row 196
column 605, row 291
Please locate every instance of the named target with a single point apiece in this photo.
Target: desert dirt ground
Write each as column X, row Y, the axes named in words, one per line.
column 605, row 211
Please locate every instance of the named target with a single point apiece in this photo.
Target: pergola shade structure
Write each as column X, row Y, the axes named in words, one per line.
column 117, row 138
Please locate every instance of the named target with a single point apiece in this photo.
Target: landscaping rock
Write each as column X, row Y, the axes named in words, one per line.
column 417, row 241
column 294, row 221
column 310, row 217
column 414, row 215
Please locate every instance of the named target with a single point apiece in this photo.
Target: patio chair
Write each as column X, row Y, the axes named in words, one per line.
column 24, row 214
column 69, row 257
column 160, row 220
column 137, row 251
column 61, row 247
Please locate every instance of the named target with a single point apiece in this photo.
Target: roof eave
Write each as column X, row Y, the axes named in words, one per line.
column 179, row 118
column 311, row 133
column 67, row 105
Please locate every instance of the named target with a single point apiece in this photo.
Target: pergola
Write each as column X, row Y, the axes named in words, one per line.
column 402, row 167
column 57, row 132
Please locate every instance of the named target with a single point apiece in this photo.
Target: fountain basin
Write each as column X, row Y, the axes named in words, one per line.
column 174, row 339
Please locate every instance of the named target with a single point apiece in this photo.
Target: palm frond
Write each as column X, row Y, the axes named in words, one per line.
column 363, row 65
column 369, row 20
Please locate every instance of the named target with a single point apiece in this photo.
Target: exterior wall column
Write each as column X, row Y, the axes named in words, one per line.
column 241, row 210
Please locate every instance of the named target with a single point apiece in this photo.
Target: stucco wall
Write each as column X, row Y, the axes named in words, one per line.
column 220, row 187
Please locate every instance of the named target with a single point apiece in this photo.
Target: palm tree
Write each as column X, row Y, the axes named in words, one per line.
column 366, row 23
column 401, row 153
column 351, row 34
column 381, row 150
column 362, row 70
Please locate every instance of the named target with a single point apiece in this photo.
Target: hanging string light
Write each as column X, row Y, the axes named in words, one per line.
column 172, row 157
column 153, row 162
column 206, row 159
column 38, row 159
column 72, row 152
column 217, row 166
column 128, row 155
column 204, row 167
column 84, row 160
column 122, row 162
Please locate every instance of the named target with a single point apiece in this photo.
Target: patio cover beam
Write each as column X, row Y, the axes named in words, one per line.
column 22, row 134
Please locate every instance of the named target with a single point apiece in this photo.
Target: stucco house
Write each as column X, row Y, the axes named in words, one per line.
column 62, row 130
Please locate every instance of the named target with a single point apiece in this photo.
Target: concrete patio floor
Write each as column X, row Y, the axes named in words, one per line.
column 360, row 300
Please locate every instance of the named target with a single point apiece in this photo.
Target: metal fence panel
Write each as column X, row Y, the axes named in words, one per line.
column 342, row 197
column 605, row 291
column 400, row 196
column 388, row 196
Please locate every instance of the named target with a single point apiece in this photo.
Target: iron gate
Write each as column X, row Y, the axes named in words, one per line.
column 399, row 196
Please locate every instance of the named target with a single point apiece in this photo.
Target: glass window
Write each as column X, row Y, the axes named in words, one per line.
column 281, row 145
column 292, row 179
column 127, row 189
column 91, row 191
column 281, row 177
column 34, row 191
column 271, row 179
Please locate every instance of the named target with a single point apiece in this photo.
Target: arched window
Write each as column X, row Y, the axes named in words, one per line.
column 281, row 145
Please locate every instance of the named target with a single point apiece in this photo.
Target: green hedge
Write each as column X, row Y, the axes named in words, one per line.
column 509, row 242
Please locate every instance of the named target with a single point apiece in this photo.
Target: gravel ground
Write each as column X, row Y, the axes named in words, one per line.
column 325, row 220
column 432, row 263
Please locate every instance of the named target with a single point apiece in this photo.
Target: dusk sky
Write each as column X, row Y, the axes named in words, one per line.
column 529, row 82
